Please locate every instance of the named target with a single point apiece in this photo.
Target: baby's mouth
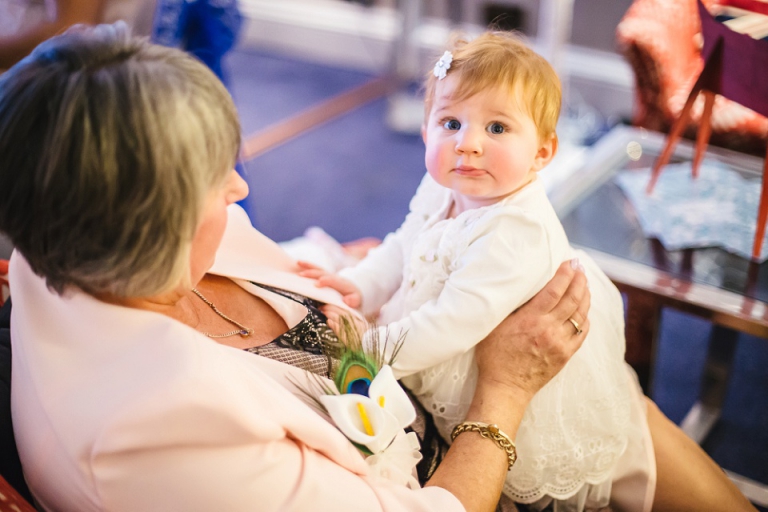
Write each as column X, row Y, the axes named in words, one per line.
column 468, row 170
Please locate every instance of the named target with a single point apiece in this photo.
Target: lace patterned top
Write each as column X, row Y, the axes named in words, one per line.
column 307, row 345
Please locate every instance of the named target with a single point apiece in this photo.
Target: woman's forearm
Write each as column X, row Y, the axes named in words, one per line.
column 474, row 468
column 516, row 360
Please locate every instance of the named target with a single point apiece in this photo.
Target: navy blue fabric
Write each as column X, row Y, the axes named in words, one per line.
column 205, row 28
column 210, row 31
column 10, row 465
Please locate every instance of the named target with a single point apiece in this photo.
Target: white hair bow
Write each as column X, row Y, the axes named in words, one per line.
column 443, row 65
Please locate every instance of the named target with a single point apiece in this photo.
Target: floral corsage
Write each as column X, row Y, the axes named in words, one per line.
column 369, row 407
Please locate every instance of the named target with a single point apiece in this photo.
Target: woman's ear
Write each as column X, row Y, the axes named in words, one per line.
column 546, row 153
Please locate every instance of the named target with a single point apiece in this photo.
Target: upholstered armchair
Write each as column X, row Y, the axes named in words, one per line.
column 661, row 40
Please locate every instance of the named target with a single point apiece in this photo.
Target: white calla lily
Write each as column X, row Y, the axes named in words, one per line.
column 376, row 422
column 385, row 391
column 372, row 421
column 362, row 420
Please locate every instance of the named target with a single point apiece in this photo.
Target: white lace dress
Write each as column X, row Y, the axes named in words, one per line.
column 448, row 282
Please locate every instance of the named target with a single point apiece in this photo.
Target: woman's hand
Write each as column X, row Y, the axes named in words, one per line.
column 349, row 292
column 532, row 344
column 521, row 355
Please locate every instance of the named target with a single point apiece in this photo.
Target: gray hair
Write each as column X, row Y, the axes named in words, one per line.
column 109, row 147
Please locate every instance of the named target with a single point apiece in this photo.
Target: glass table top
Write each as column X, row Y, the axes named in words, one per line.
column 597, row 215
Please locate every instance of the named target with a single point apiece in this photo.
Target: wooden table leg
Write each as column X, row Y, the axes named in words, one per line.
column 762, row 214
column 642, row 327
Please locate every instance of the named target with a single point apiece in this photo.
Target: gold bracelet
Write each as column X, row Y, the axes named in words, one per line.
column 489, row 431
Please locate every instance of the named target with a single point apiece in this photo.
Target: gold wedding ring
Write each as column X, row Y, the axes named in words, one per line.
column 576, row 326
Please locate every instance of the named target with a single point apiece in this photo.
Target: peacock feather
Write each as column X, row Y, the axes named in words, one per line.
column 358, row 365
column 349, row 404
column 355, row 372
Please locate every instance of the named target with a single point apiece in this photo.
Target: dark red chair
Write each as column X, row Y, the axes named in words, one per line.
column 661, row 41
column 11, row 501
column 3, row 280
column 734, row 68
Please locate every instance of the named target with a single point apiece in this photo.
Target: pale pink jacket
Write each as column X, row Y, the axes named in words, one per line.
column 120, row 409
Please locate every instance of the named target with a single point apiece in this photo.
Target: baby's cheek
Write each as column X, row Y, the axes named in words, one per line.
column 430, row 158
column 437, row 162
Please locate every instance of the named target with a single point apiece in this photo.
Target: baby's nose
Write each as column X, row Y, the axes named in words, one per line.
column 469, row 142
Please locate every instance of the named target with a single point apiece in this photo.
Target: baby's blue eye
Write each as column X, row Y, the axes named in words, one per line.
column 496, row 128
column 452, row 125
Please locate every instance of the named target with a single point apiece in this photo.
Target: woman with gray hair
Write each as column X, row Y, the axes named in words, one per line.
column 116, row 184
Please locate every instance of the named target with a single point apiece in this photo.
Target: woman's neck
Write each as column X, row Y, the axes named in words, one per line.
column 190, row 309
column 174, row 304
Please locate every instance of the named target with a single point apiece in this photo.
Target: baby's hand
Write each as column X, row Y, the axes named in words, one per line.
column 349, row 292
column 335, row 314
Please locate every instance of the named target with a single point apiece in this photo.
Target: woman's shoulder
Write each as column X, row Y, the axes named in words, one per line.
column 129, row 361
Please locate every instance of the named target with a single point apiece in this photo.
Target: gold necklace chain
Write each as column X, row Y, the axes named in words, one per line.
column 242, row 331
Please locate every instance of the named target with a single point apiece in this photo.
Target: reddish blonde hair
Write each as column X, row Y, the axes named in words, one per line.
column 496, row 59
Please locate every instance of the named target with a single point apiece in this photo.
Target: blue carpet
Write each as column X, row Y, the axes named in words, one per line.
column 267, row 88
column 351, row 176
column 739, row 441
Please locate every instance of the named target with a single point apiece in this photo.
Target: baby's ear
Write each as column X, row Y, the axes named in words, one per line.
column 424, row 133
column 546, row 152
